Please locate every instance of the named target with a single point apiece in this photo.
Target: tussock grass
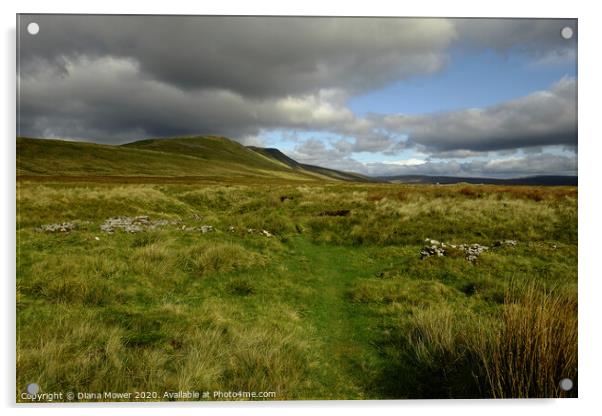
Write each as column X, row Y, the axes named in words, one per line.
column 73, row 280
column 155, row 259
column 203, row 259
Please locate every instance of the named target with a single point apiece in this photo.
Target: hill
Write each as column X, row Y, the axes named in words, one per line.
column 206, row 157
column 446, row 180
column 332, row 173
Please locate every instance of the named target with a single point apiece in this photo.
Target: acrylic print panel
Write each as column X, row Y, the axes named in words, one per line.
column 290, row 208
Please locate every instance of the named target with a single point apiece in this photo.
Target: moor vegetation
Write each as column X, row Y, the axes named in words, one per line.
column 334, row 303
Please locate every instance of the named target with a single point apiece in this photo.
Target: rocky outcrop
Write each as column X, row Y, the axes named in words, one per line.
column 435, row 248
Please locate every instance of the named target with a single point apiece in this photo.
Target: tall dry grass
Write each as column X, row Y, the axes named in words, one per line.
column 535, row 346
column 523, row 352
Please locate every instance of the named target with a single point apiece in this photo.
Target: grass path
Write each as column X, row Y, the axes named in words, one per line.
column 341, row 327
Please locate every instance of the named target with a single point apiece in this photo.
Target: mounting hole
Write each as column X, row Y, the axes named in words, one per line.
column 566, row 384
column 566, row 32
column 33, row 388
column 33, row 28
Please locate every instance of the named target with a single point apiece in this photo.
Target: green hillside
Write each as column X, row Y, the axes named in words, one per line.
column 210, row 149
column 210, row 157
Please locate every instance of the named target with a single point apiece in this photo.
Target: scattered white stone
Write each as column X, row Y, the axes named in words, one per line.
column 436, row 248
column 206, row 229
column 63, row 227
column 127, row 224
column 133, row 224
column 97, row 239
column 473, row 251
column 264, row 233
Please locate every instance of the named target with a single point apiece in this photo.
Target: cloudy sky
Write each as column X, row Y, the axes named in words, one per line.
column 381, row 96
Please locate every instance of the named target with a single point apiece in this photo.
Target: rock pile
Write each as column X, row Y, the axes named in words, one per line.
column 436, row 248
column 202, row 229
column 472, row 251
column 433, row 248
column 63, row 227
column 133, row 224
column 141, row 223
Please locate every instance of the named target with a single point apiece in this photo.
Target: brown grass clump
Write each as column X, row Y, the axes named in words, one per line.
column 537, row 194
column 470, row 191
column 374, row 197
column 524, row 353
column 535, row 347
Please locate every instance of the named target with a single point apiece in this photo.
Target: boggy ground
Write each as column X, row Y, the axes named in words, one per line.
column 333, row 302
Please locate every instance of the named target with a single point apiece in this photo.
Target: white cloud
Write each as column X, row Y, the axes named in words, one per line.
column 406, row 162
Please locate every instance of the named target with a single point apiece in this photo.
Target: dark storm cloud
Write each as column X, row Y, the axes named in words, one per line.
column 108, row 100
column 262, row 56
column 534, row 36
column 254, row 56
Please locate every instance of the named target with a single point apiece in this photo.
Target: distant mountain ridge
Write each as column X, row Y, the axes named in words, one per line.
column 545, row 180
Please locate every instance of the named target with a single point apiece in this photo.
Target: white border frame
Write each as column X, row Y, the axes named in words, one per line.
column 589, row 207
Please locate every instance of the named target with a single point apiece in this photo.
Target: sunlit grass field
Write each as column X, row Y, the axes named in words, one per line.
column 336, row 303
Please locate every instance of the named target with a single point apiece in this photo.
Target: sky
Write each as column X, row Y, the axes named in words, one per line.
column 378, row 96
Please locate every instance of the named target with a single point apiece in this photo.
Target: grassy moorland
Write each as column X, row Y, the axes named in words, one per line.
column 333, row 303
